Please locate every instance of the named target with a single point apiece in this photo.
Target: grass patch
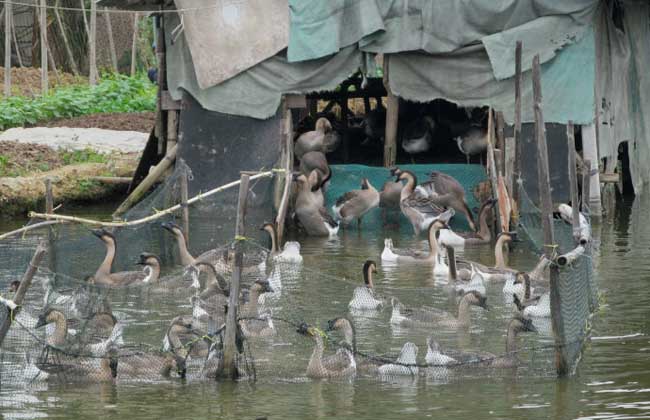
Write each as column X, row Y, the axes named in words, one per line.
column 71, row 157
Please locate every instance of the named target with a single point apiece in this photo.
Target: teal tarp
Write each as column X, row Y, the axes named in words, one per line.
column 348, row 177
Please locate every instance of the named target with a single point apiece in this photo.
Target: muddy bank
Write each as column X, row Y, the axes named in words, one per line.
column 129, row 121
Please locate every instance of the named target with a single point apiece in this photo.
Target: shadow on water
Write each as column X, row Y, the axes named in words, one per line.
column 613, row 380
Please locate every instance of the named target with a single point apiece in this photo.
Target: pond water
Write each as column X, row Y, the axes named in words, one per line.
column 612, row 381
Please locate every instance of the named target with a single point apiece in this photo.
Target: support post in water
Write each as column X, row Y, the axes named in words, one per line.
column 546, row 206
column 287, row 132
column 25, row 283
column 230, row 346
column 586, row 186
column 492, row 169
column 184, row 205
column 392, row 114
column 573, row 181
column 517, row 132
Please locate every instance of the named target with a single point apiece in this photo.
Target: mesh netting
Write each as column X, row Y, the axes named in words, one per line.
column 577, row 287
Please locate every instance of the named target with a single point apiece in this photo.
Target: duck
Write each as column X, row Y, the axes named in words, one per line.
column 481, row 237
column 104, row 275
column 58, row 338
column 314, row 218
column 291, row 250
column 425, row 317
column 437, row 357
column 419, row 210
column 445, row 190
column 354, row 204
column 340, row 365
column 313, row 140
column 405, row 365
column 417, row 136
column 473, row 142
column 408, row 255
column 364, row 296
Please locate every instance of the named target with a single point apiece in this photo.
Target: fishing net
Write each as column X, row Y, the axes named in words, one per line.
column 576, row 286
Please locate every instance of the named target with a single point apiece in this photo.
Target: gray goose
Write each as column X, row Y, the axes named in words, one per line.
column 313, row 140
column 427, row 317
column 483, row 236
column 313, row 217
column 354, row 204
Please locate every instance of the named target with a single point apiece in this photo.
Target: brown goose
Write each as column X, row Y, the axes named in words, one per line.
column 316, row 161
column 216, row 257
column 354, row 204
column 339, row 365
column 446, row 190
column 407, row 255
column 427, row 317
column 313, row 217
column 460, row 239
column 313, row 140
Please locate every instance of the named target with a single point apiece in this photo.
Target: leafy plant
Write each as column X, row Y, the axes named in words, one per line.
column 70, row 157
column 114, row 93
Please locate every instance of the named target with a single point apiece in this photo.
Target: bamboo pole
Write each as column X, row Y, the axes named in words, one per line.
column 570, row 257
column 172, row 128
column 92, row 55
column 134, row 43
column 85, row 19
column 42, row 22
column 49, row 199
column 573, row 180
column 392, row 113
column 155, row 174
column 500, row 143
column 517, row 132
column 230, row 347
column 157, row 215
column 66, row 43
column 288, row 147
column 119, row 180
column 160, row 55
column 8, row 24
column 510, row 165
column 27, row 228
column 586, row 186
column 561, row 362
column 111, row 40
column 185, row 207
column 492, row 169
column 25, row 283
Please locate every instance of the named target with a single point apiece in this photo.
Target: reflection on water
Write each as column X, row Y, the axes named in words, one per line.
column 613, row 380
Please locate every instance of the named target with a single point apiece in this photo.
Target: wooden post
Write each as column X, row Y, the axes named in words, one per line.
column 517, row 133
column 510, row 164
column 134, row 43
column 172, row 128
column 92, row 40
column 586, row 187
column 184, row 205
column 288, row 150
column 561, row 363
column 392, row 113
column 111, row 40
column 25, row 283
column 42, row 22
column 49, row 199
column 83, row 14
column 500, row 143
column 66, row 43
column 492, row 169
column 160, row 55
column 590, row 152
column 573, row 180
column 8, row 24
column 230, row 347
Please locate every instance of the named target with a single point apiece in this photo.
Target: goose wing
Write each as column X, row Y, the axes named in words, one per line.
column 340, row 361
column 126, row 278
column 425, row 314
column 348, row 196
column 327, row 218
column 423, row 205
column 213, row 257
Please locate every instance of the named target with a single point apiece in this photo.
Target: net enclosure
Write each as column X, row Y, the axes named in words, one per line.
column 297, row 316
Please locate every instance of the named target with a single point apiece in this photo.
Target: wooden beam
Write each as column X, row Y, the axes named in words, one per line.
column 185, row 207
column 573, row 180
column 92, row 56
column 500, row 142
column 42, row 22
column 118, row 180
column 160, row 55
column 134, row 43
column 492, row 169
column 230, row 346
column 392, row 114
column 49, row 198
column 510, row 165
column 25, row 283
column 169, row 104
column 111, row 40
column 287, row 132
column 8, row 24
column 517, row 133
column 172, row 129
column 296, row 101
column 586, row 187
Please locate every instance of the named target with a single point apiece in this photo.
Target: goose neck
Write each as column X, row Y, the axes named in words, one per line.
column 106, row 265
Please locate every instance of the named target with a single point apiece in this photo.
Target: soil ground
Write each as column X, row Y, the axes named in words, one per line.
column 134, row 121
column 27, row 81
column 20, row 158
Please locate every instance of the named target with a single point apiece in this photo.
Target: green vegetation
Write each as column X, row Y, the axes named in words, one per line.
column 114, row 93
column 18, row 165
column 70, row 157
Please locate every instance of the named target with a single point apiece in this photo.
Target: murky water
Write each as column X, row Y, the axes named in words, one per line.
column 613, row 380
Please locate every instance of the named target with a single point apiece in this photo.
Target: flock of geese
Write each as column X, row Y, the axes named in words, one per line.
column 428, row 207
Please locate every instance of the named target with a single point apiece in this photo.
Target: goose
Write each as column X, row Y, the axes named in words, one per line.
column 405, row 365
column 364, row 296
column 499, row 272
column 313, row 140
column 314, row 218
column 425, row 317
column 367, row 365
column 183, row 340
column 419, row 210
column 258, row 288
column 460, row 239
column 291, row 251
column 53, row 365
column 104, row 277
column 58, row 338
column 316, row 161
column 406, row 255
column 389, row 196
column 473, row 142
column 354, row 204
column 445, row 190
column 374, row 125
column 532, row 306
column 262, row 326
column 218, row 258
column 150, row 365
column 340, row 365
column 417, row 135
column 437, row 357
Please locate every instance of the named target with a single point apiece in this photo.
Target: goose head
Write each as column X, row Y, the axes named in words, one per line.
column 365, row 184
column 406, row 176
column 476, row 298
column 104, row 235
column 369, row 268
column 172, row 227
column 262, row 286
column 408, row 355
column 340, row 324
column 13, row 287
column 310, row 331
column 520, row 324
column 395, row 171
column 523, row 278
column 323, row 125
column 149, row 259
column 47, row 317
column 432, row 345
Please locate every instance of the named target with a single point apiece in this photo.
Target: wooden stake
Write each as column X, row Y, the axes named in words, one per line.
column 492, row 169
column 111, row 40
column 561, row 362
column 8, row 24
column 586, row 187
column 186, row 209
column 172, row 128
column 573, row 181
column 288, row 151
column 66, row 43
column 49, row 199
column 43, row 25
column 92, row 40
column 25, row 283
column 510, row 165
column 160, row 55
column 134, row 43
column 392, row 113
column 500, row 143
column 230, row 347
column 517, row 133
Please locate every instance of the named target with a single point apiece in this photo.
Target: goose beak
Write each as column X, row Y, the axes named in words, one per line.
column 330, row 325
column 41, row 322
column 98, row 232
column 167, row 225
column 303, row 329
